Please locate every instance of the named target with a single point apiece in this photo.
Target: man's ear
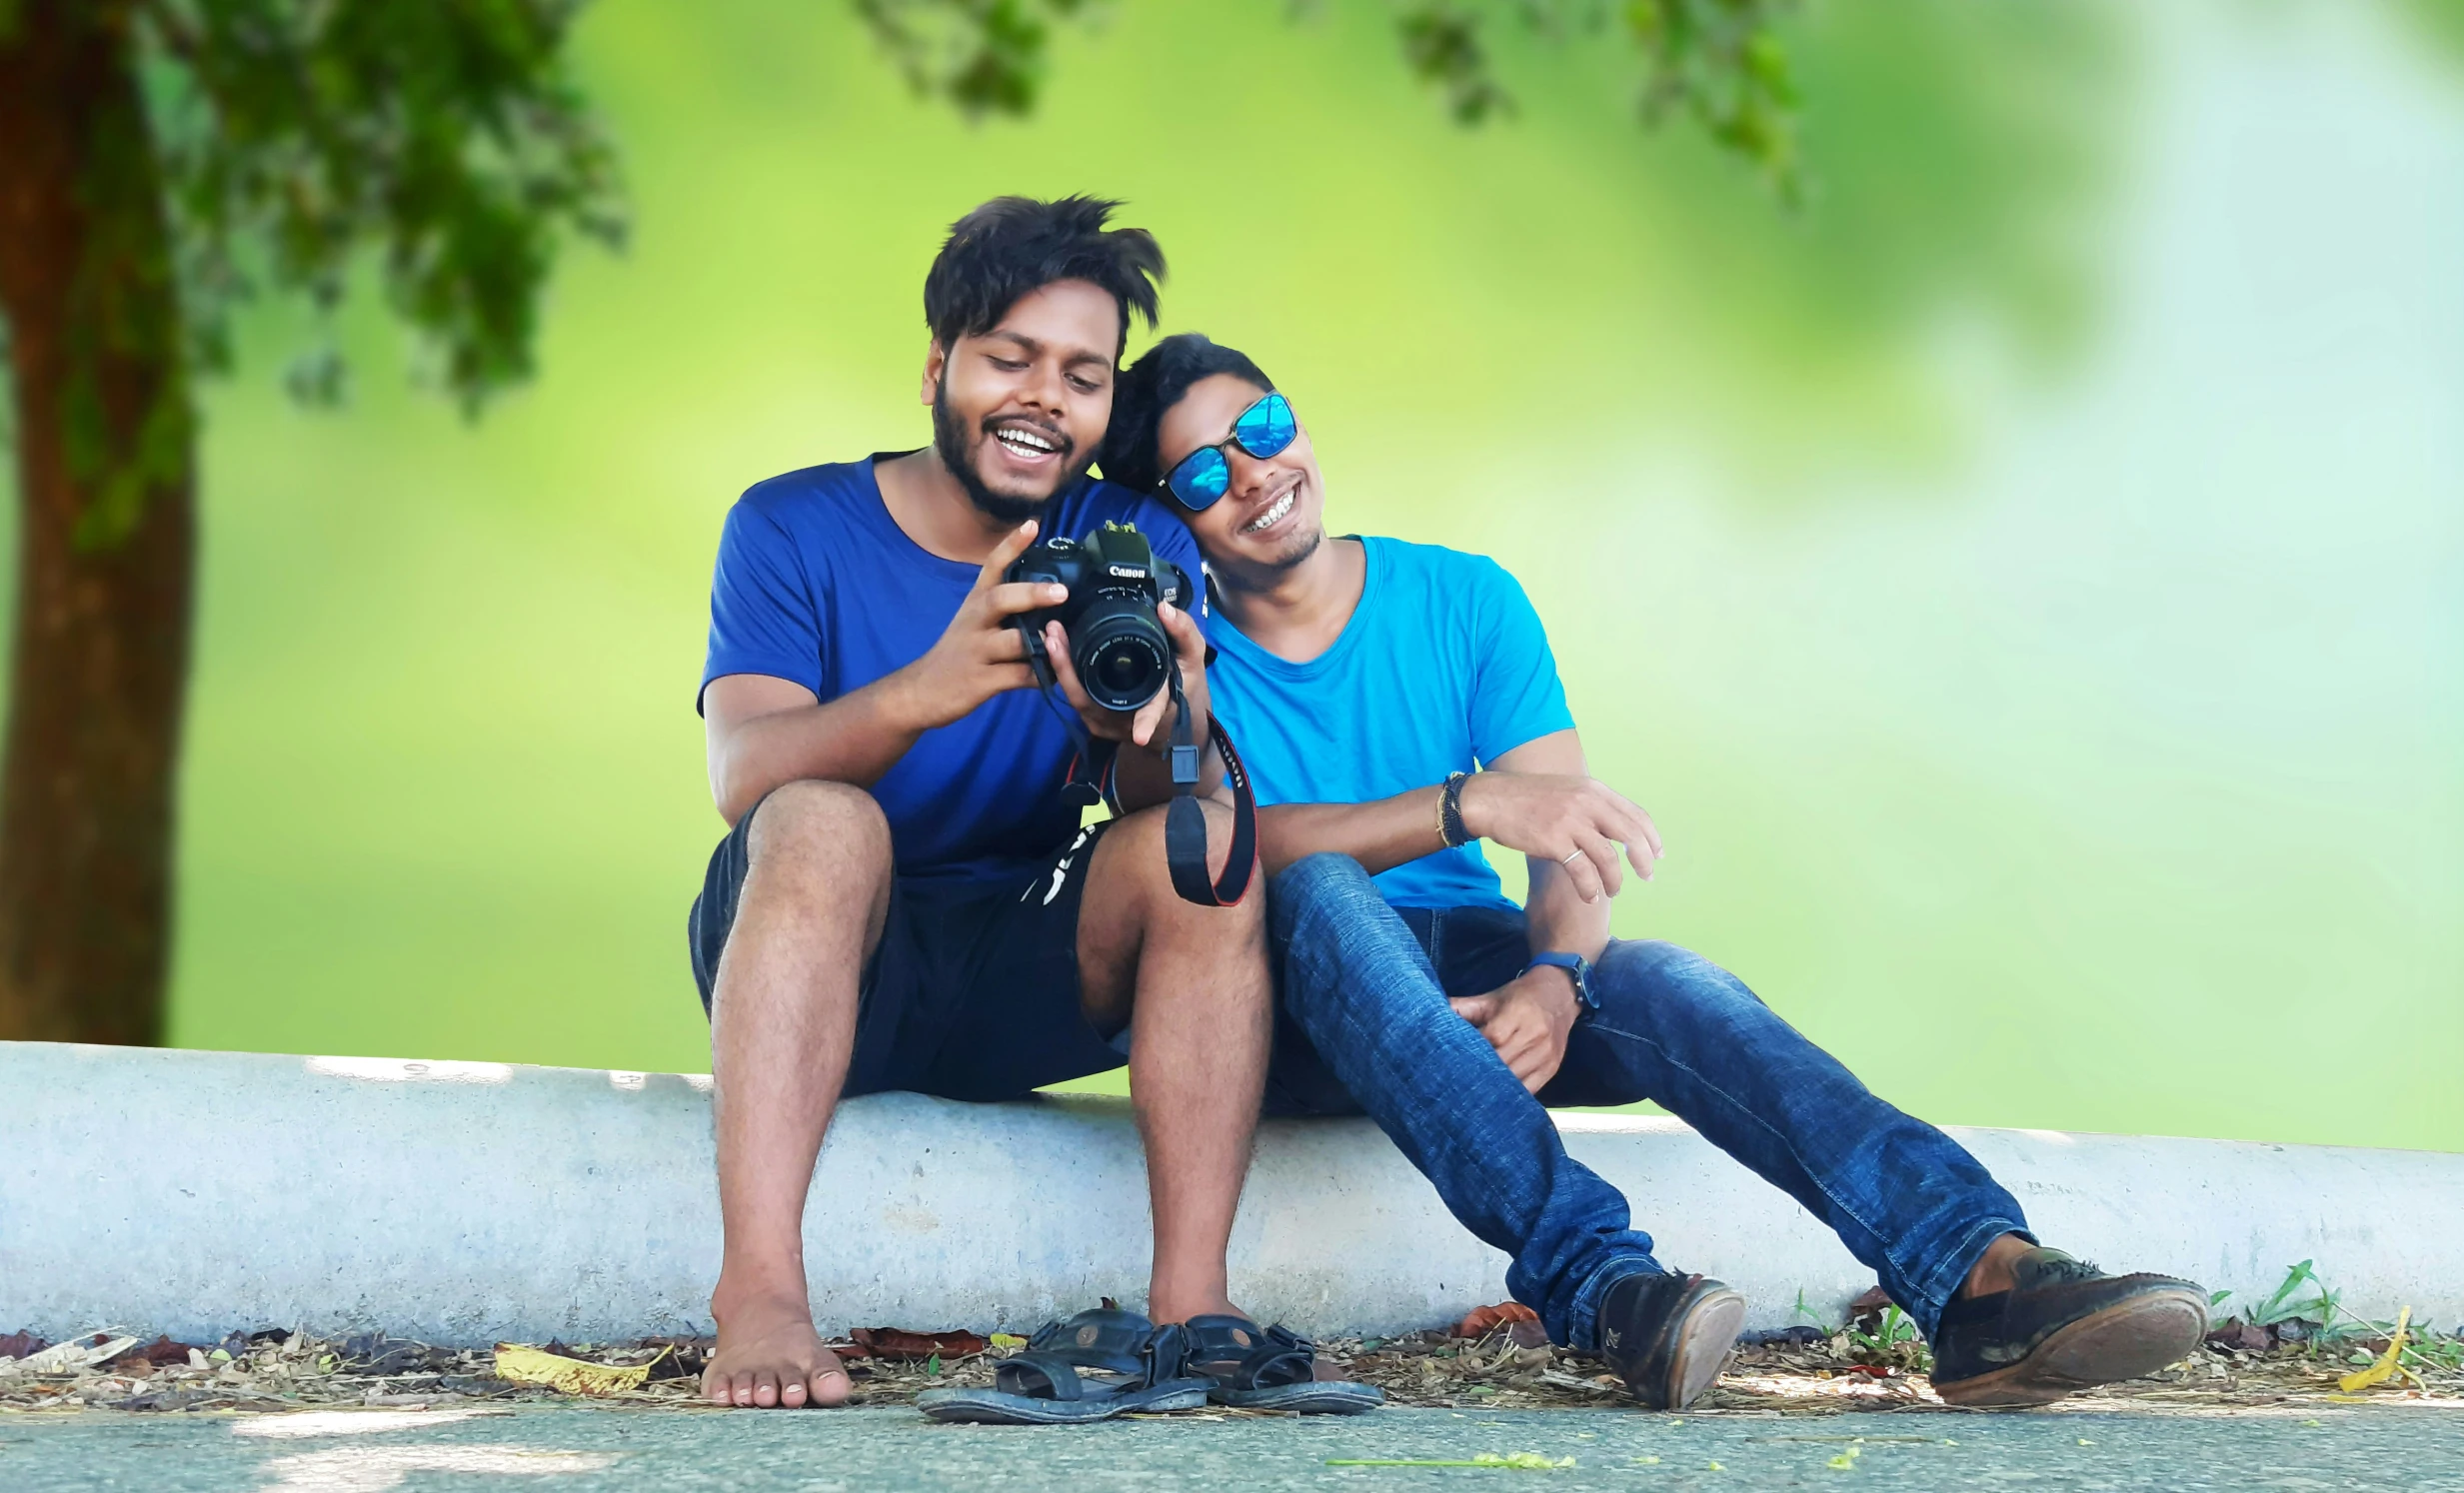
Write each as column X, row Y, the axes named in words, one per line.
column 936, row 360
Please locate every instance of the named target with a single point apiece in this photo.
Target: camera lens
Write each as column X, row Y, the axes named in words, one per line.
column 1120, row 653
column 1122, row 669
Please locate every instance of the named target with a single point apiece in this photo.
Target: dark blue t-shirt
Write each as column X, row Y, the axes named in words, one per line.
column 815, row 583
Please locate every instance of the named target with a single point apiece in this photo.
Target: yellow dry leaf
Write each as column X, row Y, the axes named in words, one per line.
column 2385, row 1369
column 519, row 1364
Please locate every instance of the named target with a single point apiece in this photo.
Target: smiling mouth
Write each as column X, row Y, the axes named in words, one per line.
column 1276, row 512
column 1027, row 442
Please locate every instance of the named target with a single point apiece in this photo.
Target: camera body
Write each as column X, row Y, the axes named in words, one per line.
column 1119, row 646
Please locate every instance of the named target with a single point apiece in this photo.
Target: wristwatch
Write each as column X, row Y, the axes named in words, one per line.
column 1578, row 967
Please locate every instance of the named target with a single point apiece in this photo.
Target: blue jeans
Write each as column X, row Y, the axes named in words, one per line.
column 1363, row 1025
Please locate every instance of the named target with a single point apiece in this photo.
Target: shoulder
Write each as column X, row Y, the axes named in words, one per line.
column 1454, row 573
column 796, row 497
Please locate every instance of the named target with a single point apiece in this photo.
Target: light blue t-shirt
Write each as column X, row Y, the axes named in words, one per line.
column 1443, row 668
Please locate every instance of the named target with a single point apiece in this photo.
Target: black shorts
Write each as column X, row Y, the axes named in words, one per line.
column 973, row 991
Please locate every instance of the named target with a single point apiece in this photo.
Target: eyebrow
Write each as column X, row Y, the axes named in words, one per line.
column 1032, row 347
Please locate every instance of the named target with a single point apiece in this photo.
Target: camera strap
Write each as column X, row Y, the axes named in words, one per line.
column 1185, row 823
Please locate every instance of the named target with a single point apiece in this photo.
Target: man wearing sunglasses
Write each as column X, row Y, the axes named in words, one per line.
column 899, row 902
column 1397, row 703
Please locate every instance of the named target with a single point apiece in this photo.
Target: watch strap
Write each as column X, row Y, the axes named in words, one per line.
column 1573, row 965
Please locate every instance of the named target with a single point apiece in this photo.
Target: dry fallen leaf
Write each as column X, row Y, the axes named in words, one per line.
column 517, row 1363
column 2385, row 1369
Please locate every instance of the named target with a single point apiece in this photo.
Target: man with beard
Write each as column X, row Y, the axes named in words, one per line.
column 905, row 899
column 1397, row 704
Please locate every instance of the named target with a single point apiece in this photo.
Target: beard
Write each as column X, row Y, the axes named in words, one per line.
column 1249, row 575
column 957, row 454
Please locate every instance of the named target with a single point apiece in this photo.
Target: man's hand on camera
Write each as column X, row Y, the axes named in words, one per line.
column 981, row 653
column 1553, row 815
column 1151, row 724
column 1526, row 1020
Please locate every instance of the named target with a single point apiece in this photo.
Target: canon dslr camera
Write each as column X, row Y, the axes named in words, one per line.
column 1117, row 644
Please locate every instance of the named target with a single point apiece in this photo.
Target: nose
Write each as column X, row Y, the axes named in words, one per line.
column 1041, row 386
column 1249, row 474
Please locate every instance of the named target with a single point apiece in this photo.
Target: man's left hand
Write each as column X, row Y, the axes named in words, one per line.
column 1146, row 727
column 1526, row 1020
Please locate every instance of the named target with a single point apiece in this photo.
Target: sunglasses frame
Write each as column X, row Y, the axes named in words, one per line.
column 1169, row 483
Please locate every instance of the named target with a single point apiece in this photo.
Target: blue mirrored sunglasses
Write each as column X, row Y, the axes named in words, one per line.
column 1205, row 475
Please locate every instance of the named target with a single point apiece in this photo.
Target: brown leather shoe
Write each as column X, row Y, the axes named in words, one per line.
column 1669, row 1336
column 2065, row 1327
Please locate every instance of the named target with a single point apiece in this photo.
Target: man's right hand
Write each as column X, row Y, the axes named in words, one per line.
column 980, row 653
column 1554, row 816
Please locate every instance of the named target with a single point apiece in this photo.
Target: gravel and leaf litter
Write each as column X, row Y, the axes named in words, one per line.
column 1496, row 1357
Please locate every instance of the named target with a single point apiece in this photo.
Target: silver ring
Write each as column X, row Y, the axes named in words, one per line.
column 1570, row 860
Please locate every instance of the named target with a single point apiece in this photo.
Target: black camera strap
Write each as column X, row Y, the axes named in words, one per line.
column 1185, row 823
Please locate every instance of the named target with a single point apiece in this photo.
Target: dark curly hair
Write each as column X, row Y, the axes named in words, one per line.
column 1146, row 392
column 1012, row 245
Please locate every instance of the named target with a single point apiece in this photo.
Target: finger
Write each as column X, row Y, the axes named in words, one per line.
column 1009, row 645
column 1064, row 674
column 1012, row 677
column 1628, row 824
column 1013, row 597
column 1011, row 546
column 1580, row 870
column 1601, row 851
column 1476, row 1010
column 1189, row 640
column 1150, row 715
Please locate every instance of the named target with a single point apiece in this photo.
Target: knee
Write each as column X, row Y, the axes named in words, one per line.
column 821, row 825
column 1314, row 887
column 1650, row 980
column 1136, row 851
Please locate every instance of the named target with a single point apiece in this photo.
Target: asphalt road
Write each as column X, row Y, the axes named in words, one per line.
column 557, row 1448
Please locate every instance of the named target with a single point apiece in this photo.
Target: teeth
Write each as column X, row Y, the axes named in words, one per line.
column 1274, row 514
column 1024, row 442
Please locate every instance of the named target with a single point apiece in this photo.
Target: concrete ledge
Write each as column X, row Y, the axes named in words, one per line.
column 462, row 1203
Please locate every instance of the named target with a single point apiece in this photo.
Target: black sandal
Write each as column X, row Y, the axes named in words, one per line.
column 1136, row 1364
column 1268, row 1368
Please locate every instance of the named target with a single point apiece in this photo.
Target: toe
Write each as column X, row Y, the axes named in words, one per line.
column 792, row 1394
column 831, row 1386
column 766, row 1389
column 739, row 1389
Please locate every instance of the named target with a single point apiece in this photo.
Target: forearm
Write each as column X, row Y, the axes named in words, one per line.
column 1559, row 918
column 1380, row 835
column 853, row 739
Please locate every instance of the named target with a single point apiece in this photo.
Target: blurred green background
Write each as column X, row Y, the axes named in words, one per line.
column 2026, row 585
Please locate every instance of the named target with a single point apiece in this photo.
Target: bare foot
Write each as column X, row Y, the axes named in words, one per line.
column 768, row 1356
column 1162, row 1308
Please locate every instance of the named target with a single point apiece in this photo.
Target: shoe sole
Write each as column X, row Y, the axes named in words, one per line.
column 1707, row 1347
column 2123, row 1341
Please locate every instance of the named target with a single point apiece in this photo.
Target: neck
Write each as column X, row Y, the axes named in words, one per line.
column 1300, row 607
column 928, row 500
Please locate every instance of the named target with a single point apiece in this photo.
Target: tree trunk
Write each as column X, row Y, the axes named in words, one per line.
column 105, row 484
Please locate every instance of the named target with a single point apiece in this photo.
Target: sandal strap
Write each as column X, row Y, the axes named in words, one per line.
column 1238, row 1354
column 1038, row 1376
column 1101, row 1338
